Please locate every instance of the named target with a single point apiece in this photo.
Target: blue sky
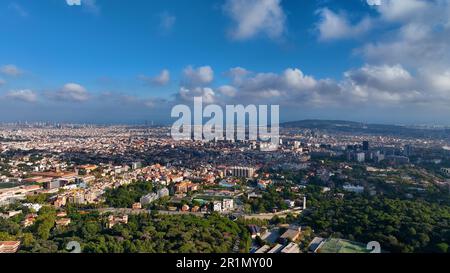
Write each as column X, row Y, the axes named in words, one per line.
column 130, row 61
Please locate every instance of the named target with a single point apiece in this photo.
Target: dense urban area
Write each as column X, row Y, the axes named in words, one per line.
column 330, row 187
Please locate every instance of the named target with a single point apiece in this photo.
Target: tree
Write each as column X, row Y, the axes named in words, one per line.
column 45, row 222
column 442, row 248
column 4, row 236
column 28, row 239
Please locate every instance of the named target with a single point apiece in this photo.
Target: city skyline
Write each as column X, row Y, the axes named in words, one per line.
column 115, row 63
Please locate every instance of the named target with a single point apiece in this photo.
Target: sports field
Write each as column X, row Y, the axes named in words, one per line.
column 342, row 246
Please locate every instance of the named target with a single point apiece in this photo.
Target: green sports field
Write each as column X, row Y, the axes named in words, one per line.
column 342, row 246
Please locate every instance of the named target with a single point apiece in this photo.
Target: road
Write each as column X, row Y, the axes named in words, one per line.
column 262, row 216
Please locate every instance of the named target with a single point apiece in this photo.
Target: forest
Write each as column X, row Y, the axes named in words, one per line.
column 398, row 225
column 144, row 233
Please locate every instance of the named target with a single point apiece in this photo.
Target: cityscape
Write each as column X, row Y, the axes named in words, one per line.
column 353, row 156
column 113, row 187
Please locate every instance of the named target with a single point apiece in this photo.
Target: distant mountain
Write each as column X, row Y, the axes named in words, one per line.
column 364, row 128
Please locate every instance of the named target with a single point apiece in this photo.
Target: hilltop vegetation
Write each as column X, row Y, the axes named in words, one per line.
column 144, row 233
column 399, row 225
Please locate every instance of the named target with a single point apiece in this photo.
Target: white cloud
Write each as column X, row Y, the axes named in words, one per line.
column 394, row 10
column 73, row 2
column 10, row 70
column 237, row 74
column 414, row 32
column 367, row 86
column 418, row 37
column 333, row 26
column 381, row 84
column 187, row 95
column 71, row 92
column 290, row 87
column 2, row 82
column 256, row 17
column 25, row 95
column 197, row 76
column 374, row 2
column 381, row 77
column 440, row 81
column 90, row 6
column 162, row 79
column 290, row 79
column 408, row 63
column 167, row 21
column 227, row 90
column 295, row 79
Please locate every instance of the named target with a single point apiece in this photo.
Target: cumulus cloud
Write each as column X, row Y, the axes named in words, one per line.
column 187, row 94
column 420, row 37
column 381, row 77
column 381, row 84
column 394, row 10
column 246, row 87
column 72, row 92
column 237, row 74
column 291, row 86
column 333, row 26
column 295, row 79
column 25, row 95
column 227, row 90
column 438, row 81
column 200, row 76
column 408, row 64
column 290, row 79
column 426, row 49
column 10, row 70
column 367, row 86
column 162, row 79
column 256, row 17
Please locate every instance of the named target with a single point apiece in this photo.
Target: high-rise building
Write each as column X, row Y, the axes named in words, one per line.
column 408, row 150
column 360, row 157
column 246, row 172
column 365, row 145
